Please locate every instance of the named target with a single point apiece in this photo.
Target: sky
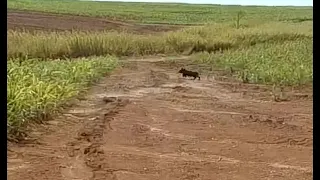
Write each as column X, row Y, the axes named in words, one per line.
column 234, row 2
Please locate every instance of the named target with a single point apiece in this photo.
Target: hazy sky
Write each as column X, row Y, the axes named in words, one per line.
column 235, row 2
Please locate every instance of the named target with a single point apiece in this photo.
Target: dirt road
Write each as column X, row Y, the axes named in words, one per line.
column 57, row 22
column 161, row 126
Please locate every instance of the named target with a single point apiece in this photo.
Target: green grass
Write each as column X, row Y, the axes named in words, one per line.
column 164, row 12
column 36, row 89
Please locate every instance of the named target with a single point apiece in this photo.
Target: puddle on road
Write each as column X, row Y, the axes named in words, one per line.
column 135, row 93
column 151, row 90
column 207, row 111
column 114, row 94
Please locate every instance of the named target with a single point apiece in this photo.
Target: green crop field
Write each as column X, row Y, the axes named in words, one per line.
column 164, row 13
column 270, row 45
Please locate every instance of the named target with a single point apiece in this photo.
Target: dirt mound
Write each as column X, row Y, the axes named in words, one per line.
column 147, row 122
column 58, row 22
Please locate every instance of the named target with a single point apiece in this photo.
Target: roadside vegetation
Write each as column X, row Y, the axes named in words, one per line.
column 261, row 48
column 36, row 89
column 286, row 63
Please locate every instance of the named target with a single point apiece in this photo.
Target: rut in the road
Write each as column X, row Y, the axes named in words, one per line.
column 155, row 124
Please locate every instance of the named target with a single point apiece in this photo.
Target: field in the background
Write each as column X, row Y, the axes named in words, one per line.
column 280, row 55
column 164, row 13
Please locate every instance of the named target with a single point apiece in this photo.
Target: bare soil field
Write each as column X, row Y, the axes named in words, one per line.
column 145, row 121
column 29, row 20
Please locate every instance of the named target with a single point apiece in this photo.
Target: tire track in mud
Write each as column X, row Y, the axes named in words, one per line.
column 146, row 122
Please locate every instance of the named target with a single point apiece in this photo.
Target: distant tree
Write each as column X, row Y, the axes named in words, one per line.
column 240, row 15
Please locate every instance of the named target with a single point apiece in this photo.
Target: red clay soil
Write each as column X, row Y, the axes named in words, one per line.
column 57, row 22
column 146, row 122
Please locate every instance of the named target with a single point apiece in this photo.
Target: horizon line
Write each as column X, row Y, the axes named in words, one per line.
column 134, row 1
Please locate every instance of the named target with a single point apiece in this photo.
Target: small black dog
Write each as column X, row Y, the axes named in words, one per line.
column 186, row 73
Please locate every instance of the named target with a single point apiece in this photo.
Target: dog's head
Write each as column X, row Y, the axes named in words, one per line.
column 181, row 70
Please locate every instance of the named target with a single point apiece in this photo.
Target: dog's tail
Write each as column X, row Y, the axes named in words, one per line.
column 199, row 75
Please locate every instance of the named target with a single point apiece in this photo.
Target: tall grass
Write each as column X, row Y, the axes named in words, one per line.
column 36, row 89
column 286, row 63
column 210, row 38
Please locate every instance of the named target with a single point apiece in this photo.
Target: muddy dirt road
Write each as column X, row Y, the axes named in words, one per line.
column 40, row 21
column 157, row 125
